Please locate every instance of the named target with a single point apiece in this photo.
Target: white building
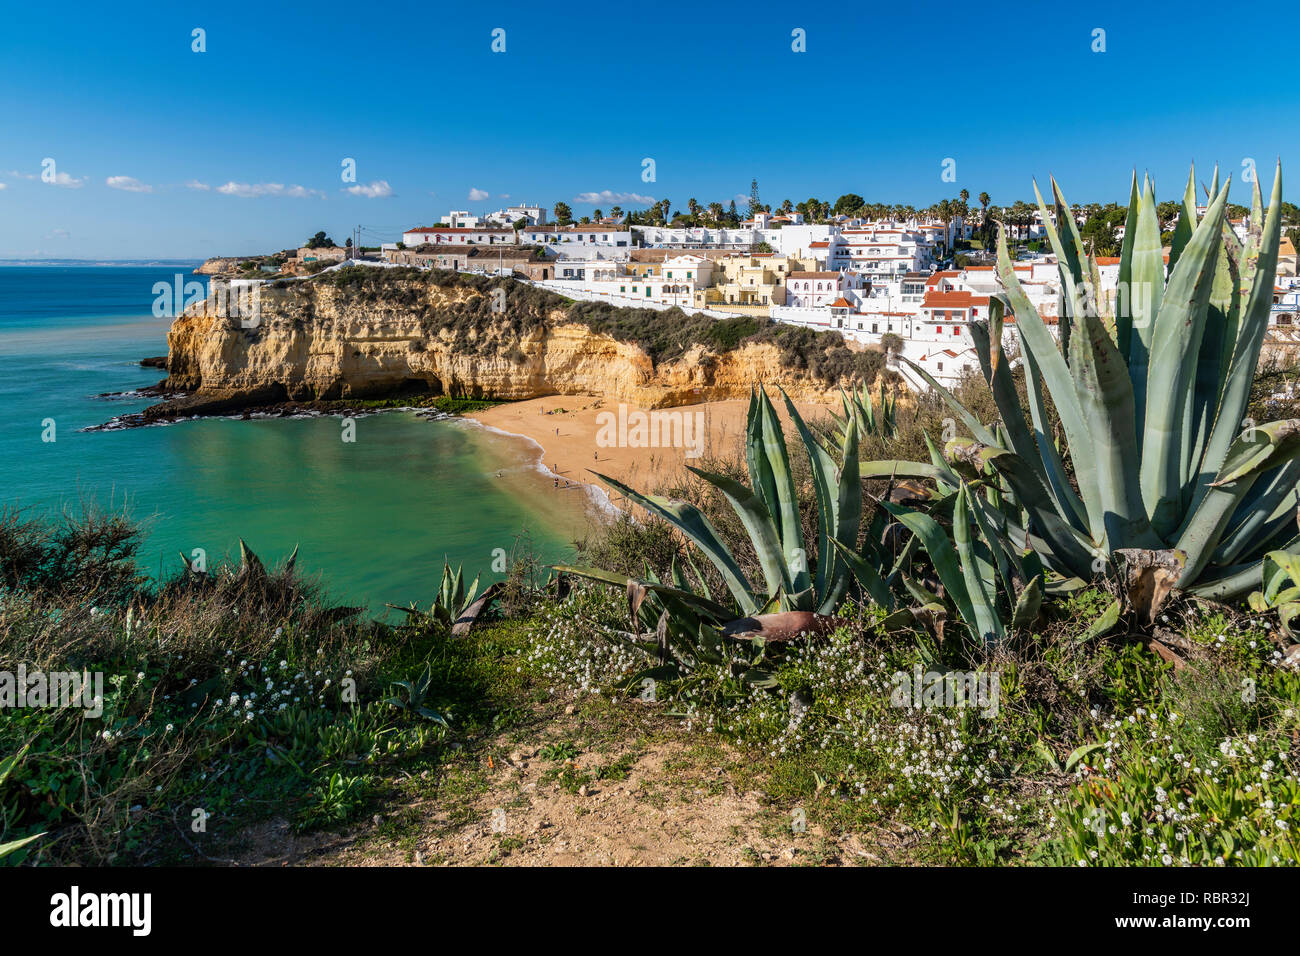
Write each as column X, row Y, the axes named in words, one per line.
column 433, row 235
column 817, row 290
column 460, row 219
column 675, row 282
column 880, row 254
column 715, row 237
column 564, row 238
column 534, row 216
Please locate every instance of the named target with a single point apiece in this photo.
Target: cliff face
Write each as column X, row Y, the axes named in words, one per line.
column 315, row 340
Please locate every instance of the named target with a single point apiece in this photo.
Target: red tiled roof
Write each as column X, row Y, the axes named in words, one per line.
column 960, row 300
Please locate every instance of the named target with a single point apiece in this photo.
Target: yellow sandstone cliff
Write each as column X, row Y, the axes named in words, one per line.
column 315, row 340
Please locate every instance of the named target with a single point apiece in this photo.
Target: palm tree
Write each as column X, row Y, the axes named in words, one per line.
column 715, row 211
column 617, row 212
column 693, row 206
column 984, row 205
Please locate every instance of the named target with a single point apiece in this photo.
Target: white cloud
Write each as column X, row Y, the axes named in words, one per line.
column 379, row 189
column 15, row 174
column 128, row 184
column 4, row 185
column 606, row 196
column 68, row 182
column 59, row 234
column 477, row 194
column 195, row 184
column 250, row 190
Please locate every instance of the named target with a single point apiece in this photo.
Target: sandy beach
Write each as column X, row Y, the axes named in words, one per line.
column 647, row 450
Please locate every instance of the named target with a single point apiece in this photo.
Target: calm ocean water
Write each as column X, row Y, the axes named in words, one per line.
column 374, row 517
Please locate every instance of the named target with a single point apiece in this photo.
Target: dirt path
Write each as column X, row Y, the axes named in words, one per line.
column 575, row 791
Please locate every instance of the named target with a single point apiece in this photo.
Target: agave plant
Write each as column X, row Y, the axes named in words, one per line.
column 1281, row 589
column 7, row 766
column 994, row 586
column 769, row 512
column 1151, row 389
column 858, row 407
column 452, row 601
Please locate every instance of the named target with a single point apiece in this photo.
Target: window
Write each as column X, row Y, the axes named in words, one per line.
column 940, row 366
column 875, row 326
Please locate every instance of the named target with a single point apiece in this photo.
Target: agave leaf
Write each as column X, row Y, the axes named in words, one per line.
column 1186, row 226
column 936, row 456
column 1123, row 303
column 1211, row 365
column 691, row 522
column 249, row 563
column 1278, row 568
column 867, row 576
column 1070, row 255
column 981, row 589
column 702, row 604
column 1261, row 271
column 1260, row 448
column 1103, row 625
column 1056, row 375
column 1176, row 342
column 942, row 555
column 1144, row 292
column 699, row 578
column 774, row 486
column 993, row 364
column 1265, row 516
column 973, row 424
column 753, row 514
column 1067, row 500
column 8, row 764
column 1066, row 546
column 1105, row 397
column 15, row 845
column 839, row 497
column 1028, row 605
column 902, row 469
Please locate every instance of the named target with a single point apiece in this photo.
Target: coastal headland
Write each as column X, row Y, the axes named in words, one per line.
column 632, row 393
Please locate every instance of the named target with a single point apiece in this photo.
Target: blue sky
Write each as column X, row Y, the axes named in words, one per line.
column 584, row 92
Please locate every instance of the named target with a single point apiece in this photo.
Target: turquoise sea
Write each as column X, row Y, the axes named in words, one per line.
column 374, row 518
